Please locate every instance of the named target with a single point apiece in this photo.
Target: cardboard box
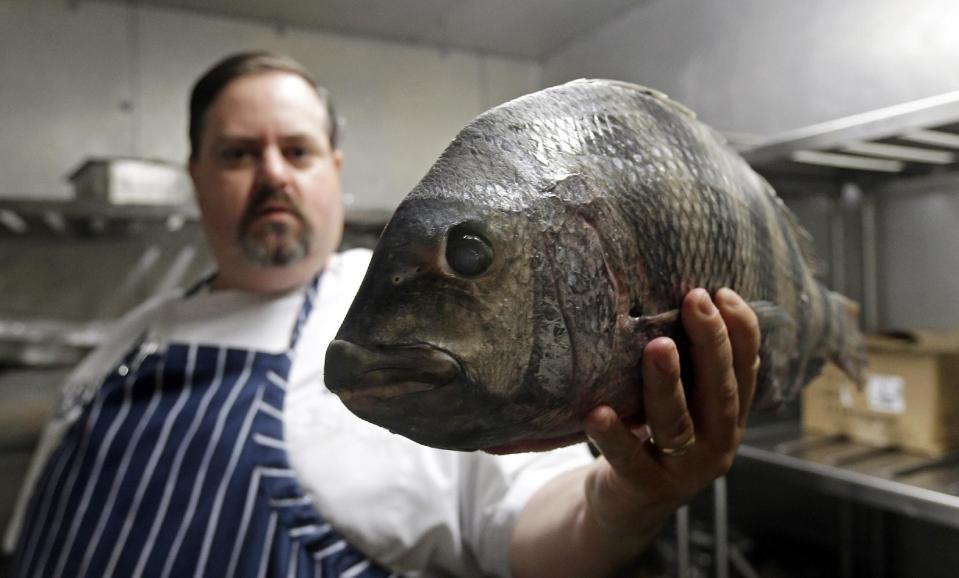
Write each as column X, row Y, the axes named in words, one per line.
column 821, row 410
column 911, row 396
column 910, row 399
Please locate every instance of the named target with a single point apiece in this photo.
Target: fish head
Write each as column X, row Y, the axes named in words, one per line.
column 486, row 316
column 437, row 340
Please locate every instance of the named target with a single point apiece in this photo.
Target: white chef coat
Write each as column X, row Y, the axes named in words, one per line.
column 419, row 510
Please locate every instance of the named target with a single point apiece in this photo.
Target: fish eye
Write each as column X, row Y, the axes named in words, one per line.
column 467, row 252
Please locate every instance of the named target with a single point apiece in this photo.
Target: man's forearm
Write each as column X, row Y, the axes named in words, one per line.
column 556, row 535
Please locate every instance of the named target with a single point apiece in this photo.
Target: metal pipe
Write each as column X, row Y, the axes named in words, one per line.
column 682, row 542
column 837, row 246
column 846, row 535
column 878, row 539
column 741, row 564
column 931, row 137
column 721, row 529
column 177, row 270
column 901, row 153
column 870, row 263
column 847, row 161
column 122, row 296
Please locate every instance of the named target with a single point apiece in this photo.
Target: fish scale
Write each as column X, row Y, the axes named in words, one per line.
column 516, row 286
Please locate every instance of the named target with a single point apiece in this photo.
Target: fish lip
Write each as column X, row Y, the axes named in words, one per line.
column 378, row 393
column 362, row 375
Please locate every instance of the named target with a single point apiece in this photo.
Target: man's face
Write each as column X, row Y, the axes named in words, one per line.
column 268, row 183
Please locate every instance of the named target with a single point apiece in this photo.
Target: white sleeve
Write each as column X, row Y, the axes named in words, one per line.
column 494, row 490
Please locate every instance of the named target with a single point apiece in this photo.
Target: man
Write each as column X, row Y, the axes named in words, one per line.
column 199, row 440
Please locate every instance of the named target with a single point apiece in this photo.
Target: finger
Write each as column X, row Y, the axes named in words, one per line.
column 621, row 447
column 666, row 414
column 744, row 336
column 715, row 397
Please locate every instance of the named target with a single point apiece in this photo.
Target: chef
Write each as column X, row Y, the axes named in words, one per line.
column 199, row 439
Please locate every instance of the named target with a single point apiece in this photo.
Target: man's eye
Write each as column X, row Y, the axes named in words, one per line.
column 297, row 153
column 236, row 154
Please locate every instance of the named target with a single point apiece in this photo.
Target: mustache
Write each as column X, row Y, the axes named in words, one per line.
column 269, row 196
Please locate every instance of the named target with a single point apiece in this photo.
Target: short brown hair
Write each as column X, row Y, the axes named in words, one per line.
column 212, row 83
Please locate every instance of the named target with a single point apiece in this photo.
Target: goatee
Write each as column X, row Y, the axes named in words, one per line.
column 275, row 243
column 276, row 246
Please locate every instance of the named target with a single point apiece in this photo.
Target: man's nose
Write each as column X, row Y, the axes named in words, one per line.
column 273, row 168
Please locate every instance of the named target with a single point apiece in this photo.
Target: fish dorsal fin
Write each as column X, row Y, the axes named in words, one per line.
column 804, row 239
column 652, row 92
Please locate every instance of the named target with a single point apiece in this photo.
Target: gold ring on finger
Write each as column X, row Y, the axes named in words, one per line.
column 678, row 451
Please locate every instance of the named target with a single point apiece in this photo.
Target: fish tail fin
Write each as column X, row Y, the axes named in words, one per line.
column 845, row 344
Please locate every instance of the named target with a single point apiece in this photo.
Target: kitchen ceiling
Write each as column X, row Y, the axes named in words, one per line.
column 516, row 28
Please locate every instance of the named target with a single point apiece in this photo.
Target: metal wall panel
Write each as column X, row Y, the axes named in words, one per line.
column 919, row 259
column 766, row 66
column 63, row 92
column 82, row 78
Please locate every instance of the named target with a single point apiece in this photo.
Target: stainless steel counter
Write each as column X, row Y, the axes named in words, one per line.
column 915, row 486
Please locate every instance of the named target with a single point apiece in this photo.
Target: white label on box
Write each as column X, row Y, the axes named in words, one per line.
column 886, row 393
column 845, row 395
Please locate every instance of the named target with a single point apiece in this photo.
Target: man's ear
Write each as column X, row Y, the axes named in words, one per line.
column 191, row 169
column 338, row 159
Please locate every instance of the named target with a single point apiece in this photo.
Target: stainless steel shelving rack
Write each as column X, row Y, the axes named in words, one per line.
column 910, row 146
column 911, row 485
column 907, row 147
column 31, row 217
column 903, row 148
column 52, row 342
column 46, row 342
column 906, row 139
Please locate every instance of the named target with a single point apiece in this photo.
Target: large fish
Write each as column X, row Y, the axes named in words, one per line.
column 516, row 286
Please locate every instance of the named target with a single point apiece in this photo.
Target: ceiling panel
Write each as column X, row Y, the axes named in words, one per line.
column 517, row 28
column 528, row 28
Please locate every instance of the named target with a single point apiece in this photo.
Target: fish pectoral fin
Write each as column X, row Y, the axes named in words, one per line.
column 772, row 319
column 666, row 324
column 663, row 324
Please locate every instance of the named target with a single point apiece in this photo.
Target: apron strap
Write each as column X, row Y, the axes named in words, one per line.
column 309, row 299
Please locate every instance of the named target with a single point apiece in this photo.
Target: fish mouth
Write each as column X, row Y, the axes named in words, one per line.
column 366, row 375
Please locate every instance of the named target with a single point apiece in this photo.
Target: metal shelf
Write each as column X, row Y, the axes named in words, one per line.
column 19, row 217
column 48, row 342
column 915, row 138
column 911, row 485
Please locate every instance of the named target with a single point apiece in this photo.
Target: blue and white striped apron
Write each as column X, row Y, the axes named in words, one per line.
column 177, row 468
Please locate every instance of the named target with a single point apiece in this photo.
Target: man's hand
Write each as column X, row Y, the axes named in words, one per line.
column 692, row 443
column 594, row 521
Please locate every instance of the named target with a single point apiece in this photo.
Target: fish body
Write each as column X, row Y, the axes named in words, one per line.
column 515, row 287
